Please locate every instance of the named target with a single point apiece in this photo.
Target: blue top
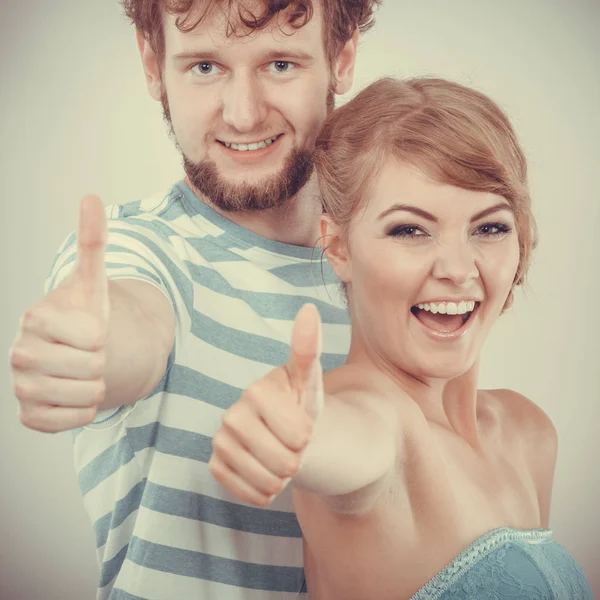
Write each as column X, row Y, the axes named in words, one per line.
column 510, row 563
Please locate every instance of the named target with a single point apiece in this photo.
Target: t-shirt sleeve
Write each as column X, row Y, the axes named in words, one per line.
column 140, row 248
column 135, row 250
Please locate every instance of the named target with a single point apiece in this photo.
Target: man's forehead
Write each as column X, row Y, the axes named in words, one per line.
column 221, row 23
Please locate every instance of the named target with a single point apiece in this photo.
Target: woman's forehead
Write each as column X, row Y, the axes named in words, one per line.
column 404, row 187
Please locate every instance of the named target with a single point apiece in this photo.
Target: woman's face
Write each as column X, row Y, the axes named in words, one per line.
column 429, row 267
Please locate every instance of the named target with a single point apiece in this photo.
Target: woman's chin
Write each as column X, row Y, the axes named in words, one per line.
column 443, row 368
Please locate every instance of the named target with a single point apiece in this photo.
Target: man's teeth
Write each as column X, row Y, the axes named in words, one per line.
column 253, row 146
column 448, row 308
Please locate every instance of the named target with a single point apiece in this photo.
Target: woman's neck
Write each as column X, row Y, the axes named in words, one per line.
column 449, row 403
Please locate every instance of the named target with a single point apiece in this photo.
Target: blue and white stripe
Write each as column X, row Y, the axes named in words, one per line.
column 164, row 528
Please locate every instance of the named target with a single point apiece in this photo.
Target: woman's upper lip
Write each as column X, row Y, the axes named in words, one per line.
column 455, row 300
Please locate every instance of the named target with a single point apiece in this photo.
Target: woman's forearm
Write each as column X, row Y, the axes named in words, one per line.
column 353, row 446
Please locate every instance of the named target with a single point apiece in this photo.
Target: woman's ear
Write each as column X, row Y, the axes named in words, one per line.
column 335, row 248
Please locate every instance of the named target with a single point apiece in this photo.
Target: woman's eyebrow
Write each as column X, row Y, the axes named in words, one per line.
column 408, row 208
column 429, row 217
column 493, row 209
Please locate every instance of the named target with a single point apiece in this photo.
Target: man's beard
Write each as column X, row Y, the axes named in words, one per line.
column 270, row 192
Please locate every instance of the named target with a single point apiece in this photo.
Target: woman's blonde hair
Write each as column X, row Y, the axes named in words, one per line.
column 455, row 134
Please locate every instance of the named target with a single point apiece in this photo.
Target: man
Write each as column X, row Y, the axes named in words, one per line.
column 154, row 324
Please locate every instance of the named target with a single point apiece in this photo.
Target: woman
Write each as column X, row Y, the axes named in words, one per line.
column 409, row 481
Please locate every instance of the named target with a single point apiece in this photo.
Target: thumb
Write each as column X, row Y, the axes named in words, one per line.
column 304, row 366
column 92, row 233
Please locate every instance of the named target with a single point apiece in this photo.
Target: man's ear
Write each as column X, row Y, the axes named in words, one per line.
column 335, row 249
column 344, row 65
column 151, row 65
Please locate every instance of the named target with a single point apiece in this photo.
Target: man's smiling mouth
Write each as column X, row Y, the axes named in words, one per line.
column 241, row 147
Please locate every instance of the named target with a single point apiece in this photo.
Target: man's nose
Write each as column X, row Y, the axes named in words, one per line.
column 244, row 107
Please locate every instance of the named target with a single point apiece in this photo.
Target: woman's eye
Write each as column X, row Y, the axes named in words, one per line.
column 281, row 66
column 407, row 231
column 493, row 230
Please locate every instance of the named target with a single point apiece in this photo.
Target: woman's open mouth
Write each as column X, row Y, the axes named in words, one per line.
column 445, row 318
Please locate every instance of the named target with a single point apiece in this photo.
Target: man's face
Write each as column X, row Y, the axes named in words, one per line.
column 245, row 111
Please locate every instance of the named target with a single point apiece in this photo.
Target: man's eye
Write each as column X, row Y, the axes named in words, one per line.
column 281, row 66
column 205, row 68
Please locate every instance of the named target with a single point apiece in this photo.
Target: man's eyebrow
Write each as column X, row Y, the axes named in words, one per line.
column 208, row 55
column 268, row 56
column 285, row 53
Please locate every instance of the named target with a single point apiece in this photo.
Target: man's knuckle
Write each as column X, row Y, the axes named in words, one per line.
column 25, row 392
column 98, row 391
column 98, row 364
column 19, row 356
column 25, row 417
column 31, row 419
column 87, row 415
column 31, row 319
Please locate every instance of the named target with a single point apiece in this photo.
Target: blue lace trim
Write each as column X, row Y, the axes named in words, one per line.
column 481, row 547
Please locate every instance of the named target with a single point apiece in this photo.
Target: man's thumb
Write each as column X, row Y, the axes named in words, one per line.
column 92, row 234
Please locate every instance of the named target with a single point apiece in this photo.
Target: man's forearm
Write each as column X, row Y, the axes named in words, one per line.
column 139, row 341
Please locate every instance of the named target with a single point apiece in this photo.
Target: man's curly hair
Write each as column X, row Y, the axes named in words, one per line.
column 341, row 18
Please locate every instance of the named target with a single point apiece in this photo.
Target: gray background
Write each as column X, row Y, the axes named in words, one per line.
column 76, row 118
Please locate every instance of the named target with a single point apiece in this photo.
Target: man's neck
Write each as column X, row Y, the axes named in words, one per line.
column 296, row 222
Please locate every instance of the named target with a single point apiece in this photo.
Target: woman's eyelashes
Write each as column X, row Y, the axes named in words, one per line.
column 407, row 231
column 493, row 230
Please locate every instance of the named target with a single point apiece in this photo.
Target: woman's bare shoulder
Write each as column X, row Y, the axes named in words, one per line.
column 523, row 416
column 531, row 432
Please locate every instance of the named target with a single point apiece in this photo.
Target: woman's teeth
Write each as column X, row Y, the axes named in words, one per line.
column 448, row 308
column 253, row 146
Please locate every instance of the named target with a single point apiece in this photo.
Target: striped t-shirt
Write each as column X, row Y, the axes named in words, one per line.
column 165, row 529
